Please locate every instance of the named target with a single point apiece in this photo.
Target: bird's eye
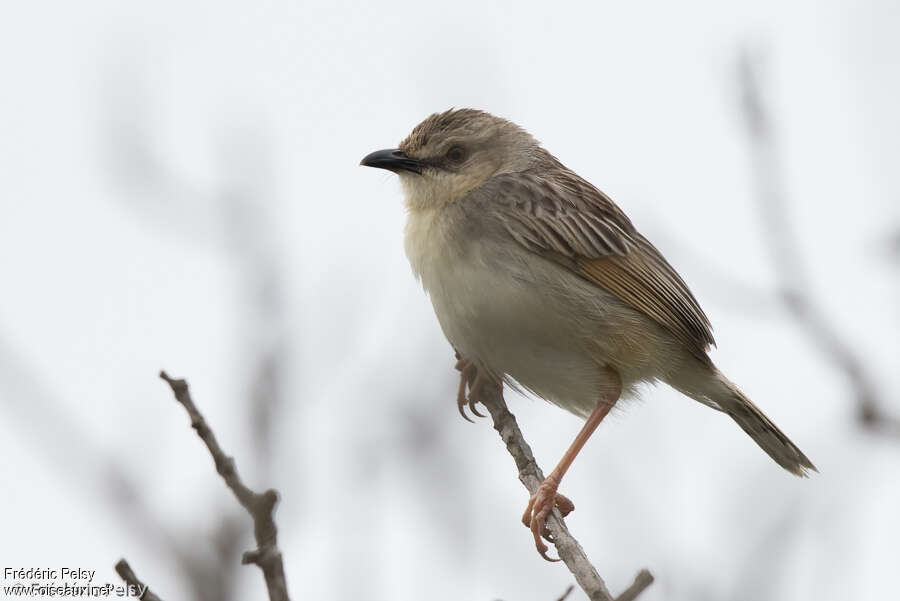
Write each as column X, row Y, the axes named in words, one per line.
column 456, row 154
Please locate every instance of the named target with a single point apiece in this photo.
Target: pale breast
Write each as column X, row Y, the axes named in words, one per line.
column 520, row 315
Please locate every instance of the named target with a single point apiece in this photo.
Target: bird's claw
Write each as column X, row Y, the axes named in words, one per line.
column 469, row 376
column 539, row 506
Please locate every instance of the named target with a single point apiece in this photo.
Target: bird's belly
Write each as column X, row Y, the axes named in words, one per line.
column 499, row 312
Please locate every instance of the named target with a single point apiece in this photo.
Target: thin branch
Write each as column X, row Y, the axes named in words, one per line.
column 643, row 579
column 142, row 591
column 567, row 592
column 531, row 476
column 787, row 258
column 260, row 506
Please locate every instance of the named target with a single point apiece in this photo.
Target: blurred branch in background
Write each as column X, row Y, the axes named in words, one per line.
column 127, row 574
column 724, row 287
column 570, row 552
column 893, row 246
column 787, row 258
column 237, row 212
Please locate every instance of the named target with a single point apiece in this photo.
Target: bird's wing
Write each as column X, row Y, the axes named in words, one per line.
column 564, row 217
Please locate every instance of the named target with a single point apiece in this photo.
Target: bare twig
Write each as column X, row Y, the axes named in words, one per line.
column 259, row 506
column 531, row 476
column 787, row 259
column 643, row 579
column 567, row 592
column 127, row 574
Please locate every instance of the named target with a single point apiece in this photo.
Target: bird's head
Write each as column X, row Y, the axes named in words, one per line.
column 451, row 153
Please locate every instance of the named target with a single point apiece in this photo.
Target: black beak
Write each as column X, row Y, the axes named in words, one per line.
column 392, row 159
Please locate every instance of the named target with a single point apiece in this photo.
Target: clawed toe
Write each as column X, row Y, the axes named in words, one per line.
column 469, row 376
column 539, row 506
column 564, row 504
column 461, row 399
column 475, row 393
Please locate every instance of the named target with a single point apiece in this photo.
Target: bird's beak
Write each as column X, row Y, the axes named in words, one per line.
column 392, row 159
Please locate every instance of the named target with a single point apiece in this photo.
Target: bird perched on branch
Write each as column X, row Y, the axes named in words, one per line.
column 539, row 280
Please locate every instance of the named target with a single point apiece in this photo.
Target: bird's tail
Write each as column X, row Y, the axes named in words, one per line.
column 726, row 397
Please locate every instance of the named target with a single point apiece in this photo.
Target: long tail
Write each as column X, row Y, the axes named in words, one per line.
column 727, row 398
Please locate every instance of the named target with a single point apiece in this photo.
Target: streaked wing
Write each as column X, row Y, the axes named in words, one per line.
column 564, row 217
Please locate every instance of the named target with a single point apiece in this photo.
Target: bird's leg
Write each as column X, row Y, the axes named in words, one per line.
column 542, row 502
column 474, row 378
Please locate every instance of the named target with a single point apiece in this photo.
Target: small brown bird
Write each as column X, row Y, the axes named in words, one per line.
column 539, row 280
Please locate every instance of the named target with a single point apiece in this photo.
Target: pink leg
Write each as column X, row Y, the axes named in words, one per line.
column 542, row 502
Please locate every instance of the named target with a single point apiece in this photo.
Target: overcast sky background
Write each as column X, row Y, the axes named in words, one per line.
column 180, row 189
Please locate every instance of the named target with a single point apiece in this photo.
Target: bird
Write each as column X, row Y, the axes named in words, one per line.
column 541, row 282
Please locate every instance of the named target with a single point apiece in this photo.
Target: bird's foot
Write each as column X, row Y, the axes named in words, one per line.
column 474, row 379
column 539, row 507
